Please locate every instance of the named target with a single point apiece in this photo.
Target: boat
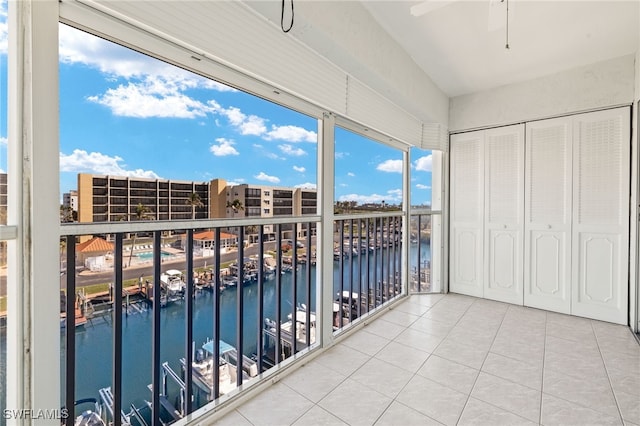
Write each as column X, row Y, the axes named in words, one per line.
column 90, row 417
column 349, row 303
column 173, row 282
column 230, row 281
column 202, row 368
column 286, row 329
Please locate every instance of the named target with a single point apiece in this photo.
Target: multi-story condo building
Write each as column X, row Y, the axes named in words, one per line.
column 248, row 200
column 115, row 198
column 70, row 200
column 3, row 198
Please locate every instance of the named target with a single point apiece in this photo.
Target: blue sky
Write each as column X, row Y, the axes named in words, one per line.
column 123, row 113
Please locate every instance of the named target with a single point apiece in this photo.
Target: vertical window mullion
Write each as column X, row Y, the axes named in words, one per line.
column 240, row 307
column 188, row 380
column 155, row 341
column 70, row 330
column 308, row 282
column 216, row 314
column 260, row 336
column 117, row 332
column 278, row 348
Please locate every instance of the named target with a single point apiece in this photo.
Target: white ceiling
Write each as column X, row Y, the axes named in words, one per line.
column 456, row 47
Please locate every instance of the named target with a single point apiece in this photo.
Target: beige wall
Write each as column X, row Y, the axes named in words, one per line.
column 218, row 198
column 85, row 197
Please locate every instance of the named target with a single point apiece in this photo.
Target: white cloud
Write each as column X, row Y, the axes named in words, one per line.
column 224, row 148
column 116, row 61
column 290, row 150
column 273, row 156
column 245, row 124
column 363, row 199
column 392, row 196
column 341, row 155
column 395, row 193
column 306, row 185
column 4, row 28
column 291, row 134
column 390, row 166
column 265, row 177
column 3, row 140
column 343, row 185
column 234, row 115
column 299, row 169
column 150, row 99
column 253, row 125
column 98, row 163
column 423, row 164
column 351, row 174
column 152, row 88
column 235, row 182
column 257, row 126
column 421, row 186
column 212, row 84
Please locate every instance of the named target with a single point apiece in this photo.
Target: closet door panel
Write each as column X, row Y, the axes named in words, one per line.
column 467, row 213
column 547, row 218
column 504, row 203
column 601, row 215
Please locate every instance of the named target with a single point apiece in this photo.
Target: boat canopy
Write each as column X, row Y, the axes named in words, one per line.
column 224, row 347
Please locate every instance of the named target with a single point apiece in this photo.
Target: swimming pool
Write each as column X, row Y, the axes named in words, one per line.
column 148, row 255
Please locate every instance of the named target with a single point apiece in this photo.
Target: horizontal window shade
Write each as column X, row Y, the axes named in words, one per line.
column 435, row 136
column 237, row 37
column 368, row 107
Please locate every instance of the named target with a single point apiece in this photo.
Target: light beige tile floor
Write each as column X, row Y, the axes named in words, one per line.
column 451, row 359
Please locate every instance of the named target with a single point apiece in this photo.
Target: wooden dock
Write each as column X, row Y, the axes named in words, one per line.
column 79, row 318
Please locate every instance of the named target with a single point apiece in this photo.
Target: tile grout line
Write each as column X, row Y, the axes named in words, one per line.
column 544, row 356
column 481, row 365
column 604, row 364
column 372, row 357
column 414, row 374
column 394, row 399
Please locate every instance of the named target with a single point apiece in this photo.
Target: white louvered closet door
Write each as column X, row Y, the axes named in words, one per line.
column 548, row 189
column 467, row 213
column 601, row 215
column 504, row 203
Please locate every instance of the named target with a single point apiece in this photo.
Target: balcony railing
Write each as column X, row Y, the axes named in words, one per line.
column 184, row 322
column 367, row 251
column 425, row 243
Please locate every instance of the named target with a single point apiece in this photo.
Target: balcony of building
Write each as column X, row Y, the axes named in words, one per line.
column 523, row 309
column 225, row 301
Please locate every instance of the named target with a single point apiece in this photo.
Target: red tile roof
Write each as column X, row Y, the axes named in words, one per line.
column 96, row 244
column 210, row 235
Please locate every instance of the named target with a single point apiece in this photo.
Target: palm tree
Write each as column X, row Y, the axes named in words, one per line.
column 251, row 230
column 63, row 249
column 235, row 205
column 194, row 201
column 66, row 214
column 141, row 213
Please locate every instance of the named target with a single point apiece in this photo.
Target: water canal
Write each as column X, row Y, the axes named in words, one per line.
column 94, row 340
